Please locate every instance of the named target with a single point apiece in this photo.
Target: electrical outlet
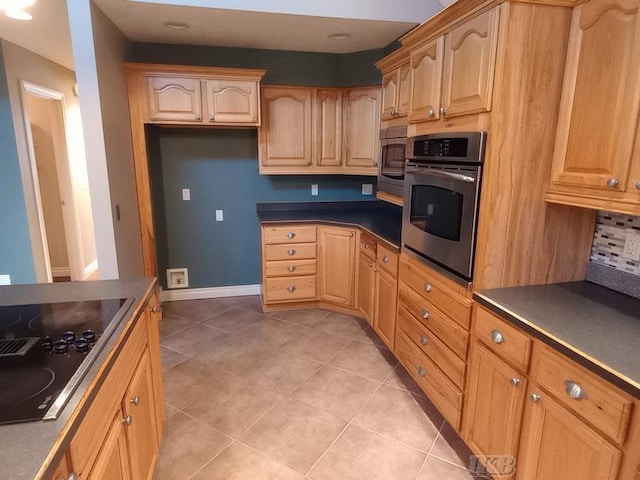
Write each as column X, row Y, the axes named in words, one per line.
column 632, row 246
column 177, row 277
column 5, row 279
column 314, row 190
column 367, row 189
column 219, row 215
column 186, row 194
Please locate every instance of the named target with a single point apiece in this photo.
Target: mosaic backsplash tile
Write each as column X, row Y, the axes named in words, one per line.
column 609, row 238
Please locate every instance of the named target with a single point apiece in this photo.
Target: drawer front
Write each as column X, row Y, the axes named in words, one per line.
column 387, row 260
column 289, row 268
column 428, row 376
column 432, row 288
column 592, row 398
column 452, row 366
column 290, row 289
column 451, row 333
column 289, row 234
column 290, row 252
column 368, row 246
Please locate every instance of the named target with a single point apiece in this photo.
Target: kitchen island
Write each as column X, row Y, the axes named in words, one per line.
column 74, row 441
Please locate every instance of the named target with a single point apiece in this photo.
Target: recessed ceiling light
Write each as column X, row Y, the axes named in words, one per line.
column 18, row 14
column 339, row 36
column 176, row 25
column 16, row 4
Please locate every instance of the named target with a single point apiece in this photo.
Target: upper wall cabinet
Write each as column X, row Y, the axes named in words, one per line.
column 362, row 130
column 200, row 95
column 595, row 164
column 396, row 92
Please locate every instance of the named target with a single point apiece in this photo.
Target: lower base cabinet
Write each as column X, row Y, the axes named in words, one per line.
column 366, row 287
column 386, row 305
column 337, row 255
column 113, row 461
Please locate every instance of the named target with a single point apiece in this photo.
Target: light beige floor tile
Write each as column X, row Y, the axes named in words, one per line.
column 401, row 416
column 186, row 447
column 360, row 454
column 233, row 405
column 304, row 317
column 294, row 434
column 234, row 320
column 400, row 378
column 172, row 323
column 239, row 462
column 364, row 359
column 196, row 310
column 189, row 380
column 192, row 340
column 271, row 332
column 371, row 337
column 315, row 344
column 341, row 324
column 281, row 371
column 233, row 353
column 449, row 446
column 435, row 469
column 336, row 391
column 171, row 358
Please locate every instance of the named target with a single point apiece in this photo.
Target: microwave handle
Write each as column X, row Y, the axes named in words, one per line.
column 440, row 173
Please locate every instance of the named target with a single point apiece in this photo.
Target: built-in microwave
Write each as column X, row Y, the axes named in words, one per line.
column 441, row 197
column 393, row 154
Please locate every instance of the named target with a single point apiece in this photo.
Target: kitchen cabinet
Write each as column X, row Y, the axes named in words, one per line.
column 337, row 252
column 594, row 162
column 366, row 287
column 386, row 295
column 174, row 99
column 362, row 130
column 112, row 461
column 396, row 92
column 426, row 81
column 232, row 101
column 327, row 128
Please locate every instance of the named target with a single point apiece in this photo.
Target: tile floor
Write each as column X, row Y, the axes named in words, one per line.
column 295, row 395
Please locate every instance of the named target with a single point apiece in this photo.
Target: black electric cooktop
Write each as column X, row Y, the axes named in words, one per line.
column 46, row 349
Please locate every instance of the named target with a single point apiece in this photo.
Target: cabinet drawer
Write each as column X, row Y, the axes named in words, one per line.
column 88, row 439
column 387, row 260
column 368, row 246
column 290, row 289
column 441, row 292
column 289, row 268
column 435, row 384
column 598, row 402
column 452, row 334
column 289, row 234
column 452, row 366
column 290, row 252
column 513, row 345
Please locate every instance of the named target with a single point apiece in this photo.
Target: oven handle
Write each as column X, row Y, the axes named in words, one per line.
column 440, row 173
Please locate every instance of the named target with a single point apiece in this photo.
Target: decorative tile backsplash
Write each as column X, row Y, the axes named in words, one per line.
column 609, row 238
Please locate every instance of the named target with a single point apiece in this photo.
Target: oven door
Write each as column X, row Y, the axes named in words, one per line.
column 392, row 159
column 439, row 217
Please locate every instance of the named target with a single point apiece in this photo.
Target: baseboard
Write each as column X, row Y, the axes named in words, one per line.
column 90, row 269
column 60, row 271
column 211, row 292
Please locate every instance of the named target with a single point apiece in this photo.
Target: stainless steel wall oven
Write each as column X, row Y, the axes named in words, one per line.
column 441, row 196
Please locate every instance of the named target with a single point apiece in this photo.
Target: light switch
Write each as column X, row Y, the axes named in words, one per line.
column 367, row 189
column 186, row 194
column 5, row 279
column 219, row 215
column 314, row 190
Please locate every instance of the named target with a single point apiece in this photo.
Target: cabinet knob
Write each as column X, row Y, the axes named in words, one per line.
column 135, row 400
column 432, row 113
column 534, row 397
column 385, row 259
column 291, row 234
column 613, row 183
column 637, row 185
column 422, row 371
column 393, row 112
column 427, row 287
column 515, row 381
column 211, row 117
column 291, row 288
column 423, row 340
column 155, row 309
column 72, row 476
column 351, row 234
column 291, row 251
column 425, row 314
column 370, row 265
column 127, row 421
column 375, row 164
column 291, row 268
column 497, row 337
column 366, row 246
column 442, row 111
column 574, row 390
column 198, row 117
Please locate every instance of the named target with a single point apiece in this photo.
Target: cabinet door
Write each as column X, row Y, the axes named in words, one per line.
column 112, row 461
column 494, row 405
column 386, row 301
column 404, row 89
column 174, row 99
column 366, row 287
column 389, row 95
column 469, row 65
column 337, row 247
column 328, row 128
column 557, row 445
column 600, row 97
column 425, row 66
column 232, row 101
column 362, row 130
column 138, row 406
column 285, row 134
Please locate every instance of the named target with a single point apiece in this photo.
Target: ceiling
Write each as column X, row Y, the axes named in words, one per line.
column 288, row 25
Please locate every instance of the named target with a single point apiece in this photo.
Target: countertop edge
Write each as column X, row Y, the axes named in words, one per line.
column 593, row 364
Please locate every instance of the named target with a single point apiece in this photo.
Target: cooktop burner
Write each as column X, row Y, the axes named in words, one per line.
column 46, row 349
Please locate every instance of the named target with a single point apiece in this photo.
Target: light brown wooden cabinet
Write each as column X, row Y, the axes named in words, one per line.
column 426, row 81
column 366, row 287
column 113, row 461
column 337, row 256
column 396, row 92
column 327, row 128
column 174, row 99
column 362, row 130
column 595, row 164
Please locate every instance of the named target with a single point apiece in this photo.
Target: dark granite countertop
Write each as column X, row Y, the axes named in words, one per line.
column 380, row 218
column 24, row 447
column 594, row 325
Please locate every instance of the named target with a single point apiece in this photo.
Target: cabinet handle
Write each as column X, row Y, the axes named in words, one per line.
column 385, row 259
column 291, row 288
column 375, row 269
column 423, row 340
column 291, row 268
column 432, row 113
column 135, row 400
column 198, row 117
column 422, row 371
column 72, row 476
column 155, row 309
column 375, row 164
column 534, row 397
column 443, row 112
column 291, row 234
column 351, row 234
column 370, row 265
column 497, row 337
column 425, row 314
column 393, row 112
column 211, row 117
column 574, row 390
column 613, row 183
column 427, row 287
column 637, row 185
column 127, row 421
column 291, row 251
column 515, row 381
column 366, row 246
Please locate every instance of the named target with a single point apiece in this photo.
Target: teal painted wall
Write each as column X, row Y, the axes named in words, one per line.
column 16, row 257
